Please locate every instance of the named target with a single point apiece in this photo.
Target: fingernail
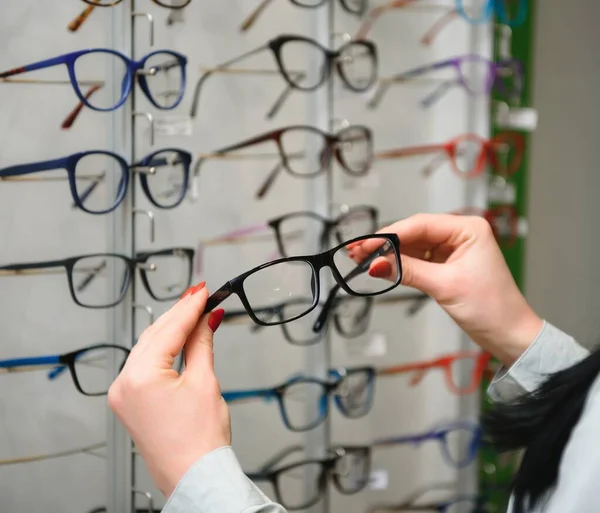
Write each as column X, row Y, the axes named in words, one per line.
column 198, row 287
column 187, row 292
column 215, row 319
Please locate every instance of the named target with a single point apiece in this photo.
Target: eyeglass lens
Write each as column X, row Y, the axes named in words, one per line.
column 301, row 331
column 475, row 10
column 99, row 281
column 351, row 471
column 353, row 394
column 300, row 485
column 91, row 368
column 476, row 74
column 170, row 275
column 304, row 404
column 305, row 151
column 164, row 78
column 99, row 181
column 92, row 68
column 461, row 371
column 352, row 315
column 304, row 63
column 357, row 66
column 355, row 150
column 457, row 445
column 167, row 185
column 468, row 153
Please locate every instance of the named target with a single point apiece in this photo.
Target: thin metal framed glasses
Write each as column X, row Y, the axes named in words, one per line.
column 305, row 152
column 512, row 13
column 305, row 64
column 463, row 370
column 88, row 366
column 469, row 154
column 288, row 278
column 81, row 18
column 161, row 75
column 474, row 73
column 303, row 484
column 459, row 441
column 304, row 402
column 356, row 7
column 166, row 274
column 164, row 177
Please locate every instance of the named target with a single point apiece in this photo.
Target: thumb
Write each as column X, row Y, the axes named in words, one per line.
column 199, row 345
column 421, row 275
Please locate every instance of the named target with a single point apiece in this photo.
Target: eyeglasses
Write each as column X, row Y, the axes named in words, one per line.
column 164, row 177
column 459, row 441
column 76, row 24
column 469, row 154
column 417, row 502
column 88, row 366
column 304, row 402
column 305, row 64
column 302, row 484
column 101, row 280
column 356, row 7
column 161, row 75
column 474, row 73
column 479, row 13
column 288, row 278
column 463, row 370
column 305, row 152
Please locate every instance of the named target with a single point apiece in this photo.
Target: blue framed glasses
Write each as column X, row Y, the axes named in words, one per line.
column 509, row 12
column 98, row 179
column 88, row 366
column 458, row 440
column 304, row 402
column 161, row 75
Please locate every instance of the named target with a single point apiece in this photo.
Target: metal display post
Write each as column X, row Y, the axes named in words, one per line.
column 119, row 447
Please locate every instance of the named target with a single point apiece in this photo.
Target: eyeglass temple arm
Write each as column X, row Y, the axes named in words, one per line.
column 24, row 169
column 254, row 15
column 412, row 151
column 204, row 77
column 398, row 440
column 439, row 25
column 239, row 395
column 282, row 98
column 268, row 183
column 74, row 114
column 375, row 13
column 438, row 92
column 385, row 83
column 281, row 455
column 75, row 25
column 28, row 362
column 61, row 59
column 216, row 298
column 32, row 266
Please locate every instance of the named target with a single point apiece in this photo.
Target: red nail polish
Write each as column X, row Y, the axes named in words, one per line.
column 215, row 319
column 187, row 292
column 198, row 287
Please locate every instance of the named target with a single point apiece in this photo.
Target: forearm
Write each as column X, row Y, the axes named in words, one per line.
column 217, row 484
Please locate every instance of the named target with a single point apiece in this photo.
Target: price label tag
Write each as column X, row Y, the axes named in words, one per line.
column 173, row 126
column 500, row 191
column 517, row 118
column 379, row 480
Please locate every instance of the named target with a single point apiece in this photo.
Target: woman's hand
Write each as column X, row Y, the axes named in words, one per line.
column 456, row 260
column 174, row 419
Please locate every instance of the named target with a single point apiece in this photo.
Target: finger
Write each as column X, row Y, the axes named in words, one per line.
column 199, row 346
column 169, row 340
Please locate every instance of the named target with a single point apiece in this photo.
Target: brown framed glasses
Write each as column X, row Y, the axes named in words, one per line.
column 81, row 18
column 469, row 154
column 463, row 370
column 305, row 151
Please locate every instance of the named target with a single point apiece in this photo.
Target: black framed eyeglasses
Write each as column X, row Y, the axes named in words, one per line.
column 288, row 278
column 88, row 366
column 302, row 484
column 306, row 151
column 304, row 401
column 306, row 65
column 350, row 316
column 101, row 280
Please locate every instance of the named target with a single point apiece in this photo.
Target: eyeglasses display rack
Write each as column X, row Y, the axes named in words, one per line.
column 408, row 434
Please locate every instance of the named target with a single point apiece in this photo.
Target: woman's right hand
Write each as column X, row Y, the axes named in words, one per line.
column 455, row 259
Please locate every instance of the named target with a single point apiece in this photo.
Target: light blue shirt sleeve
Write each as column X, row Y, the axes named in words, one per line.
column 217, row 484
column 551, row 351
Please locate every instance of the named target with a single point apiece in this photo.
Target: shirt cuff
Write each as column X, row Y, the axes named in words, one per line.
column 551, row 351
column 215, row 483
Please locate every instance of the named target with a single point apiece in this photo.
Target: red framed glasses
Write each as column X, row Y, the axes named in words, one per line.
column 469, row 154
column 463, row 370
column 504, row 220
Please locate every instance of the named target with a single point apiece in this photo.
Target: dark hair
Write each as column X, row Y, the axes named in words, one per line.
column 541, row 422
